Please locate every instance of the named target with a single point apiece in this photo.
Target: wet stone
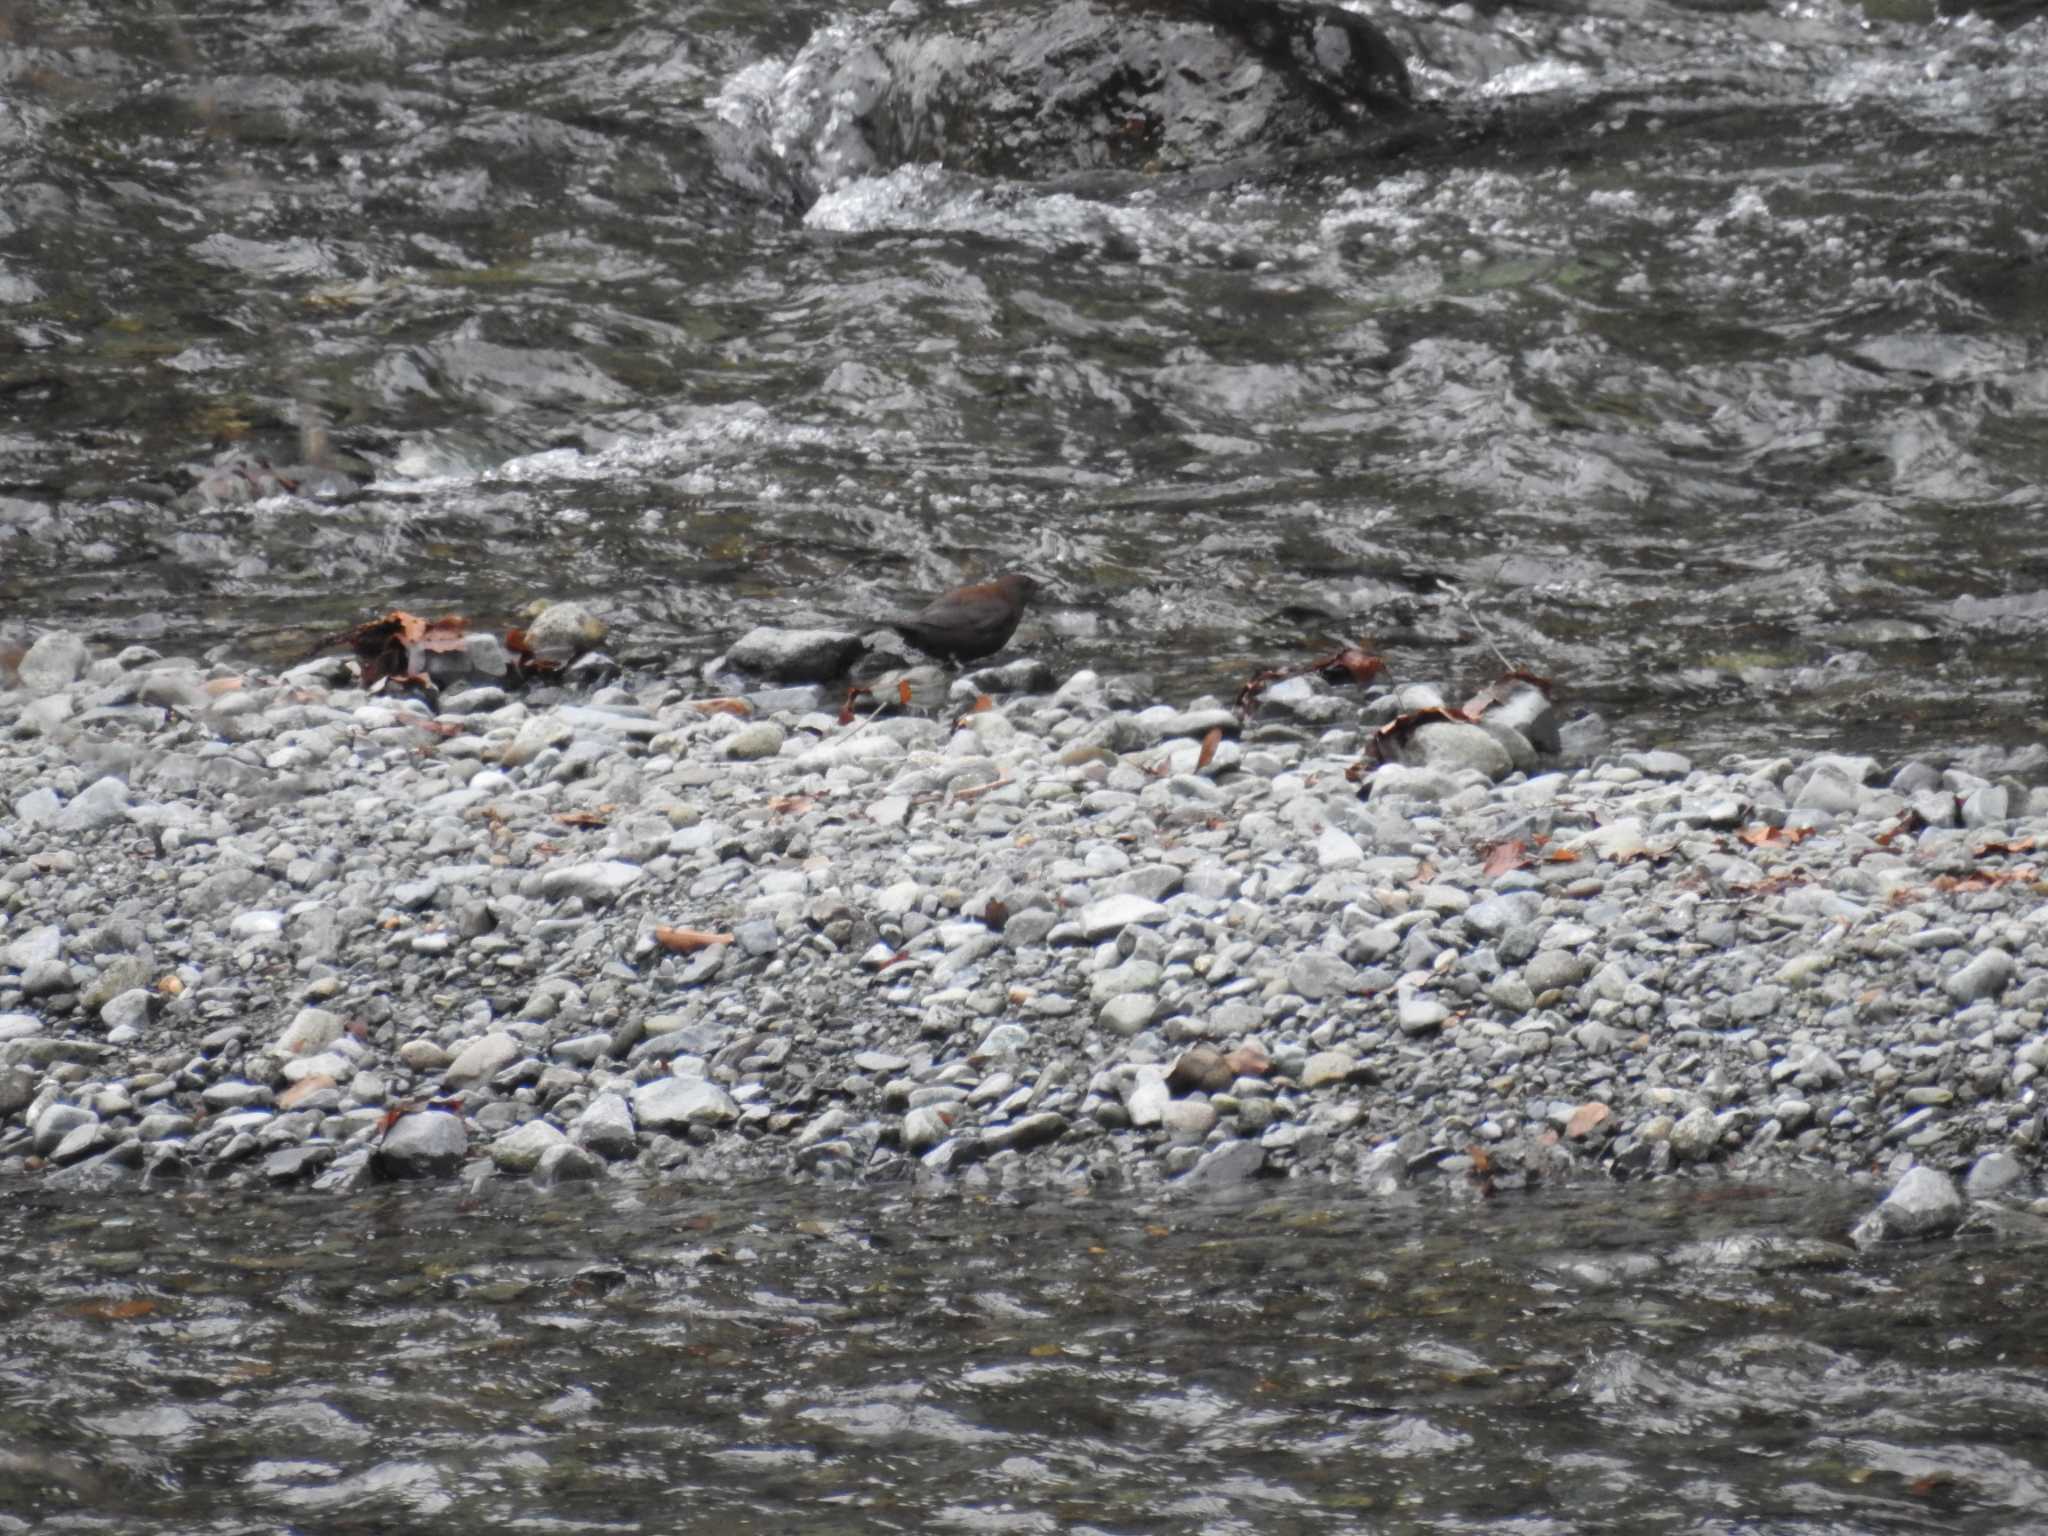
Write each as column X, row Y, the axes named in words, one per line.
column 606, row 1127
column 1985, row 976
column 1112, row 914
column 676, row 1103
column 1316, row 976
column 1327, row 1067
column 1924, row 1203
column 1232, row 1163
column 426, row 1144
column 521, row 1149
column 482, row 1059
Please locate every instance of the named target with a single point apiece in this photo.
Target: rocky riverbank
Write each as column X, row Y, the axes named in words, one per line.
column 276, row 929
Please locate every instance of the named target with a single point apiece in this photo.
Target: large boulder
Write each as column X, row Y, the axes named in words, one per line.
column 1038, row 89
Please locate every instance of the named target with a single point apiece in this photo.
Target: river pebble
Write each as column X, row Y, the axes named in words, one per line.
column 627, row 931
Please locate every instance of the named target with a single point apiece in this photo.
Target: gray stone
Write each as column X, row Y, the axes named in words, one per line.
column 598, row 883
column 520, row 1149
column 1447, row 746
column 1146, row 1097
column 1696, row 1136
column 755, row 740
column 925, row 1127
column 100, row 804
column 563, row 631
column 1128, row 1013
column 1112, row 914
column 795, row 655
column 235, row 1094
column 1985, row 976
column 1188, row 1119
column 288, row 1165
column 427, row 1144
column 606, row 1127
column 1418, row 1015
column 483, row 1059
column 424, row 1056
column 1318, row 975
column 38, row 808
column 1553, row 969
column 1232, row 1163
column 1337, row 849
column 1497, row 914
column 1326, row 1067
column 311, row 1030
column 57, row 1122
column 1992, row 1174
column 565, row 1163
column 1925, row 1203
column 34, row 947
column 53, row 663
column 1990, row 806
column 1135, row 975
column 1023, row 1134
column 677, row 1103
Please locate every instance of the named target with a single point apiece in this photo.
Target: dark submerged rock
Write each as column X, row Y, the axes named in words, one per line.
column 1033, row 90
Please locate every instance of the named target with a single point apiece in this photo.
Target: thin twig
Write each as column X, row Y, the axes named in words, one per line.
column 1458, row 596
column 953, row 796
column 871, row 719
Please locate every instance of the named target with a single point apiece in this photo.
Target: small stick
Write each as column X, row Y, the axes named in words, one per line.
column 1459, row 597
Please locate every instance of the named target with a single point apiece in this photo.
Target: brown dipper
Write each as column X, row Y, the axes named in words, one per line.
column 970, row 622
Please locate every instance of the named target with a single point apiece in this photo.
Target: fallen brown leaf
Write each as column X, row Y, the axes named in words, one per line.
column 687, row 941
column 1774, row 837
column 115, row 1311
column 1502, row 857
column 1585, row 1119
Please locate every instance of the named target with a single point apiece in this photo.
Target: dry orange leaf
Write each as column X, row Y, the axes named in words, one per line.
column 1775, row 837
column 303, row 1090
column 581, row 818
column 903, row 691
column 1502, row 857
column 429, row 723
column 1210, row 743
column 1585, row 1118
column 687, row 941
column 2023, row 845
column 738, row 707
column 1247, row 1061
column 116, row 1311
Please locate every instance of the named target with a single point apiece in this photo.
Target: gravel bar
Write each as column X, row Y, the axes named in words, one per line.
column 277, row 929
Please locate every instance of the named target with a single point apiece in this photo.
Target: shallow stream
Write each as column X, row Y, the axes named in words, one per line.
column 1706, row 360
column 1684, row 1358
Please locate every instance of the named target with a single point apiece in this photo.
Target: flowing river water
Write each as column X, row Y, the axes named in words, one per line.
column 1706, row 360
column 1672, row 1358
